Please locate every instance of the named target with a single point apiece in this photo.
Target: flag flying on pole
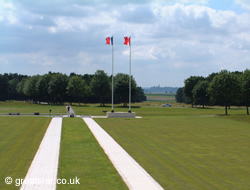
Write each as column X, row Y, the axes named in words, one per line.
column 109, row 40
column 127, row 40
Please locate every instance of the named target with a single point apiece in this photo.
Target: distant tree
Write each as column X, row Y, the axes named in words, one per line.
column 3, row 87
column 246, row 89
column 20, row 89
column 88, row 78
column 77, row 89
column 238, row 73
column 121, row 86
column 200, row 93
column 140, row 95
column 179, row 95
column 30, row 89
column 12, row 90
column 211, row 77
column 43, row 87
column 224, row 88
column 100, row 86
column 189, row 86
column 57, row 87
column 72, row 74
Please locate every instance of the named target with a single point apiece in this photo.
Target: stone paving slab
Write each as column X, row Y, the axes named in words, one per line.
column 132, row 173
column 42, row 173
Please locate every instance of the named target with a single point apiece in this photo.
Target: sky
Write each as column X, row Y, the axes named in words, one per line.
column 170, row 40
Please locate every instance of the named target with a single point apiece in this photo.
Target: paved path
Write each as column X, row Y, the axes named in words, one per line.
column 132, row 173
column 42, row 173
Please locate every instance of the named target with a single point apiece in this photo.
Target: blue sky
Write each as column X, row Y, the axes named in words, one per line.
column 171, row 40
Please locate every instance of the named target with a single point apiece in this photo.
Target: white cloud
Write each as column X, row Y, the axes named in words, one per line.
column 245, row 4
column 52, row 30
column 11, row 18
column 199, row 2
column 176, row 40
column 7, row 12
column 5, row 5
column 244, row 36
column 84, row 58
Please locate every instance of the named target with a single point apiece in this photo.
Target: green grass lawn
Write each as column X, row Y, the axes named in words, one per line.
column 99, row 110
column 156, row 110
column 188, row 152
column 28, row 107
column 81, row 156
column 182, row 148
column 20, row 138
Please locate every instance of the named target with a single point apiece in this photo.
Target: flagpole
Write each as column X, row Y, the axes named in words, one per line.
column 130, row 79
column 112, row 74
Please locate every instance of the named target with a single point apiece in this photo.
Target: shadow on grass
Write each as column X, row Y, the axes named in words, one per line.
column 82, row 106
column 203, row 108
column 128, row 107
column 107, row 106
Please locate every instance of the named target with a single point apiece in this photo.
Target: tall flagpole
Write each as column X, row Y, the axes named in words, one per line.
column 112, row 41
column 130, row 77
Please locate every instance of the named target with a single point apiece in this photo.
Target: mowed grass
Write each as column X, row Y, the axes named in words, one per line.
column 99, row 110
column 188, row 152
column 157, row 111
column 28, row 107
column 81, row 156
column 20, row 138
column 182, row 148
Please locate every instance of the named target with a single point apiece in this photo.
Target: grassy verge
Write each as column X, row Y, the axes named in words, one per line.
column 157, row 111
column 141, row 109
column 81, row 156
column 28, row 107
column 100, row 110
column 186, row 152
column 20, row 138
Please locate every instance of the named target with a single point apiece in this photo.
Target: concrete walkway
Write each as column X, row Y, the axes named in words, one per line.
column 42, row 173
column 132, row 173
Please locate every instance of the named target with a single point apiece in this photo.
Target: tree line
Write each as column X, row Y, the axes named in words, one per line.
column 224, row 88
column 59, row 88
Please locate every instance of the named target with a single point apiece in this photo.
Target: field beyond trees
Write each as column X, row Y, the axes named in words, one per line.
column 160, row 97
